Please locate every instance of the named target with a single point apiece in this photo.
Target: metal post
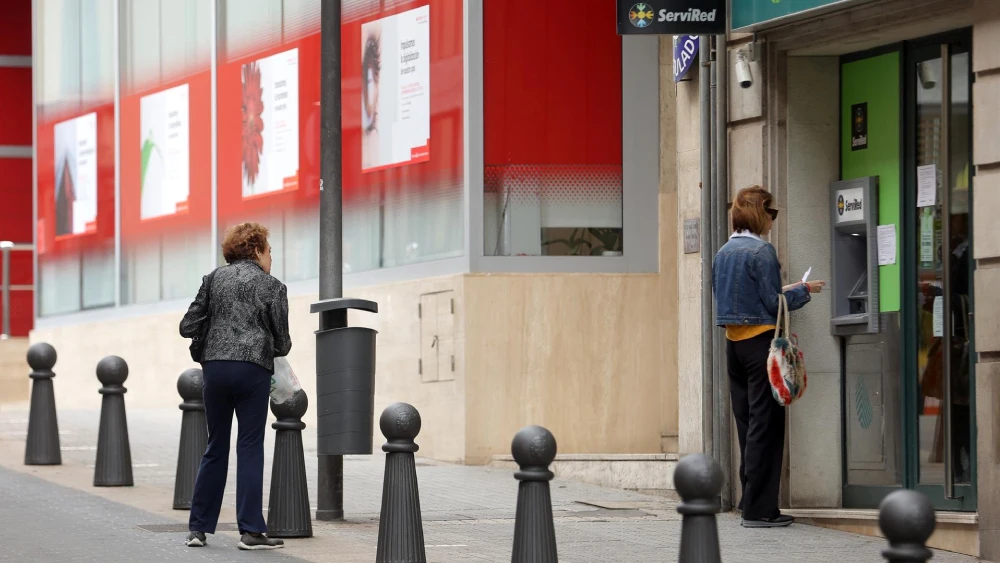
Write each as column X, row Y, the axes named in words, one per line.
column 5, row 247
column 949, row 469
column 330, row 493
column 704, row 78
column 722, row 439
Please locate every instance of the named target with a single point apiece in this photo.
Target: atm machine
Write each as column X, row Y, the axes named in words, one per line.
column 869, row 340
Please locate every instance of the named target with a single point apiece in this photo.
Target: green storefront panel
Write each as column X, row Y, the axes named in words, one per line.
column 748, row 13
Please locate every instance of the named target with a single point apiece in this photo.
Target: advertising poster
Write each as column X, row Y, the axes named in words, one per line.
column 395, row 90
column 76, row 175
column 271, row 124
column 165, row 178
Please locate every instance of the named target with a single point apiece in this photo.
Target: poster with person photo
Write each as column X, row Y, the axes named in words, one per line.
column 271, row 124
column 76, row 175
column 395, row 90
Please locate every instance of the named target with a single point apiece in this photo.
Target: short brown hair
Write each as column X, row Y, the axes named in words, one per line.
column 749, row 211
column 244, row 241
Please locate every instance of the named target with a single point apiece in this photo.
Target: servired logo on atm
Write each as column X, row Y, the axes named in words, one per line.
column 844, row 205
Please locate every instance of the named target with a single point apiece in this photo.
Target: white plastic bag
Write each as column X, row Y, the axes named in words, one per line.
column 284, row 384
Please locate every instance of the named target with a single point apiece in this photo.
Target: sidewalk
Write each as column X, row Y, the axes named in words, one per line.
column 55, row 514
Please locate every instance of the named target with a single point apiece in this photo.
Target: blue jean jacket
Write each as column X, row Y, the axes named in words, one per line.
column 746, row 281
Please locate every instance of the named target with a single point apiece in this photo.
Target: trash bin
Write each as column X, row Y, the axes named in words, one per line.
column 345, row 379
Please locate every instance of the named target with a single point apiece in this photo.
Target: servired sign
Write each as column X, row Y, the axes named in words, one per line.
column 672, row 17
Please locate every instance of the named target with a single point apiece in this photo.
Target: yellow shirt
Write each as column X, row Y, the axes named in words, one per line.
column 746, row 332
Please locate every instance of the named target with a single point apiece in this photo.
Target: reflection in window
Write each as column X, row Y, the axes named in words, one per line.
column 74, row 82
column 553, row 132
column 165, row 118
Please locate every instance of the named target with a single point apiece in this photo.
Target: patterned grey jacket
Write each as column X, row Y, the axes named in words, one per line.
column 247, row 316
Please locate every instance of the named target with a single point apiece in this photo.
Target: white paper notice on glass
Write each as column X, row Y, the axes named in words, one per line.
column 938, row 316
column 886, row 245
column 926, row 185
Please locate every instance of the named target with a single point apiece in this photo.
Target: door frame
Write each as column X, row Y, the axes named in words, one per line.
column 868, row 496
column 916, row 51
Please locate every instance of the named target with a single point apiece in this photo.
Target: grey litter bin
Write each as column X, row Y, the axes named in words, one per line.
column 345, row 379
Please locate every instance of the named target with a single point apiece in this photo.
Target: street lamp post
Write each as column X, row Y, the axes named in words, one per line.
column 330, row 494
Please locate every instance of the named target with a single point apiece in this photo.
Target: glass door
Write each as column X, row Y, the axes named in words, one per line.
column 939, row 392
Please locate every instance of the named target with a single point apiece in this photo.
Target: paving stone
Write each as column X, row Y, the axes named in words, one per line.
column 468, row 512
column 46, row 523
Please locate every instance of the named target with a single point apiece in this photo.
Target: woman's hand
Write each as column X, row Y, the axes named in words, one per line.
column 816, row 286
column 813, row 286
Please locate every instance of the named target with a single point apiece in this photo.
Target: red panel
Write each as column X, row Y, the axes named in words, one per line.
column 22, row 312
column 21, row 267
column 199, row 210
column 15, row 193
column 15, row 28
column 15, row 99
column 552, row 93
column 104, row 235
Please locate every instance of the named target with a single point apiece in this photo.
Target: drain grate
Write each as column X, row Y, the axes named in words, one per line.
column 182, row 528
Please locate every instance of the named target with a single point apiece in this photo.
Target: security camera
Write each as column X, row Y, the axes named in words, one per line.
column 927, row 74
column 743, row 74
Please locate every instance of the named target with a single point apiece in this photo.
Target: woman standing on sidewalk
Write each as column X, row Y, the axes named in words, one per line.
column 246, row 311
column 746, row 282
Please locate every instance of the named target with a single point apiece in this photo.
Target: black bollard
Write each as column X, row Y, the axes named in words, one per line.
column 194, row 436
column 114, row 458
column 42, row 447
column 906, row 517
column 533, row 449
column 698, row 480
column 288, row 513
column 400, row 528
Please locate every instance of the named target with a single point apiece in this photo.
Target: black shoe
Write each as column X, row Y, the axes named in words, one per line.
column 258, row 541
column 776, row 522
column 195, row 539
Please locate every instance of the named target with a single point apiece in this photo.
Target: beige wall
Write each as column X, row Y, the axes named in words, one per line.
column 14, row 370
column 986, row 157
column 688, row 270
column 156, row 355
column 579, row 353
column 669, row 250
column 813, row 144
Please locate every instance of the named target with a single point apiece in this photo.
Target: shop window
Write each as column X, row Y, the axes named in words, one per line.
column 553, row 132
column 165, row 166
column 397, row 211
column 75, row 154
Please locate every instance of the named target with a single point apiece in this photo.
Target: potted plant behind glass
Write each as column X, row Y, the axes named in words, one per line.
column 610, row 242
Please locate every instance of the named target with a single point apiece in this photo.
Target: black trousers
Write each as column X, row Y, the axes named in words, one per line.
column 760, row 422
column 242, row 388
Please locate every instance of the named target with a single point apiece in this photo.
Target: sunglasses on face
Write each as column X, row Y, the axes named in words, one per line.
column 772, row 212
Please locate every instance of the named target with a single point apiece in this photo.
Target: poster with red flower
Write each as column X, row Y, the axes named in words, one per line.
column 270, row 123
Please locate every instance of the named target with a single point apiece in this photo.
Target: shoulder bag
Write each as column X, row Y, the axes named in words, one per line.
column 197, row 346
column 786, row 367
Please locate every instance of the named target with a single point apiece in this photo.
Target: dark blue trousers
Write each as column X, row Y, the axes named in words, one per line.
column 243, row 388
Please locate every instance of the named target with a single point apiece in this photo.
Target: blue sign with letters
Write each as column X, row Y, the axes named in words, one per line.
column 685, row 53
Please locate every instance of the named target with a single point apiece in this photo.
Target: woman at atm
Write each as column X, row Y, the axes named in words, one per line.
column 746, row 283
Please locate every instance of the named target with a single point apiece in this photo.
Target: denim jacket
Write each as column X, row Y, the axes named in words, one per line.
column 746, row 281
